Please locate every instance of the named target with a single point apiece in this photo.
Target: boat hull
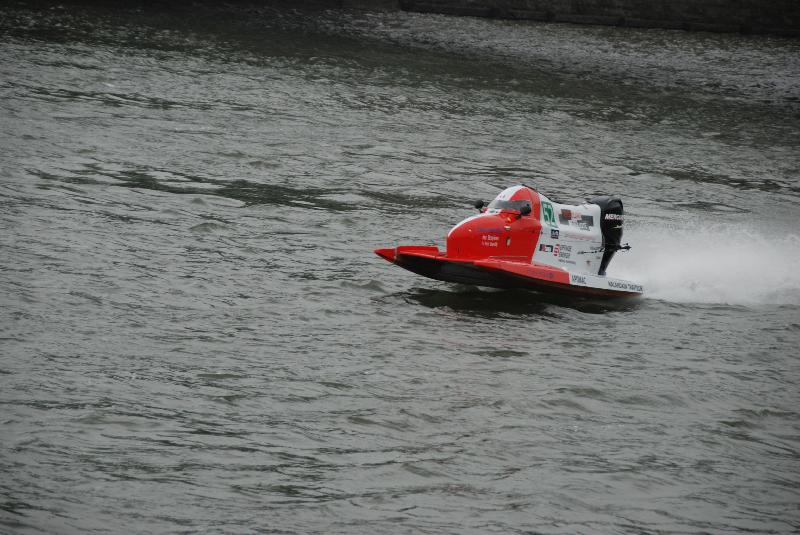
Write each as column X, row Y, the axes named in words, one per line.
column 508, row 272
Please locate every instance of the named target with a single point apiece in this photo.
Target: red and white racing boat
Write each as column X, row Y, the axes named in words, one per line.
column 522, row 239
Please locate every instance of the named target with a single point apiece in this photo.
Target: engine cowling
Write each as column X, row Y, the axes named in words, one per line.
column 611, row 222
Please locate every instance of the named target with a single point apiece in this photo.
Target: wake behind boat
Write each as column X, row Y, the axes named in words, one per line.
column 522, row 239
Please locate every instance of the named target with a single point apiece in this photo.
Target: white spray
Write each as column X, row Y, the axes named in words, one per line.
column 712, row 264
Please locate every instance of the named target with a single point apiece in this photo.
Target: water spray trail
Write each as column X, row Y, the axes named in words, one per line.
column 713, row 264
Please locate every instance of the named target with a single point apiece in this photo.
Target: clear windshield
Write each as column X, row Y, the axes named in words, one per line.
column 497, row 204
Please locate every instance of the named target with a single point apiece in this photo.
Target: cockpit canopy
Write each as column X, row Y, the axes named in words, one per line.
column 499, row 204
column 516, row 198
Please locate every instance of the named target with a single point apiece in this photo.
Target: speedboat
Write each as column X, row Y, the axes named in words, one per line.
column 522, row 239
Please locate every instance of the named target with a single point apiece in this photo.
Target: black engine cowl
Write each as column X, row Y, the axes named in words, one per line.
column 611, row 221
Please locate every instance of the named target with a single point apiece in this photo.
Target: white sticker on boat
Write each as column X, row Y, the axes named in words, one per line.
column 578, row 279
column 627, row 286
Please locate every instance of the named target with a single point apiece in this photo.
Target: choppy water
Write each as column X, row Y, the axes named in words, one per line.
column 196, row 336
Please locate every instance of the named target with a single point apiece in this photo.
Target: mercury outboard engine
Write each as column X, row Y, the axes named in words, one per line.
column 611, row 220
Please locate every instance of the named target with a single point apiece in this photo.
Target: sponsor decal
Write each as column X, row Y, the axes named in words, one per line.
column 559, row 250
column 554, row 234
column 629, row 286
column 490, row 230
column 578, row 279
column 489, row 240
column 586, row 222
column 548, row 215
column 614, row 217
column 568, row 217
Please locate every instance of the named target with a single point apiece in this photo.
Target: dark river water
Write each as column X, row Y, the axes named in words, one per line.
column 195, row 335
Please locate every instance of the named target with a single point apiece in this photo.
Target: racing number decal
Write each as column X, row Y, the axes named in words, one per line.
column 548, row 215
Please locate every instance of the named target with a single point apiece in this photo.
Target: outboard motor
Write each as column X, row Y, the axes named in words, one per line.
column 611, row 220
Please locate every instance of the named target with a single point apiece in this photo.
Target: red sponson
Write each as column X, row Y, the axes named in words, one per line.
column 389, row 254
